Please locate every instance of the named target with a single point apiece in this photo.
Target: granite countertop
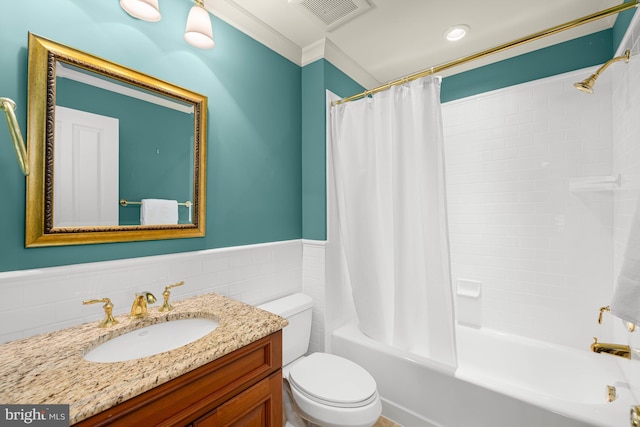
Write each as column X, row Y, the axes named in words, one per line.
column 50, row 368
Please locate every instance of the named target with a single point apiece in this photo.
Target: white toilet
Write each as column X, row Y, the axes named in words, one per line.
column 328, row 390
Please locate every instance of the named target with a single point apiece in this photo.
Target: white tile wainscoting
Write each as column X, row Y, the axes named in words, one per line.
column 313, row 284
column 42, row 300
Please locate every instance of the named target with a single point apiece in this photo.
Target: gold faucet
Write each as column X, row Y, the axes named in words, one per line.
column 139, row 307
column 108, row 320
column 630, row 326
column 634, row 416
column 602, row 310
column 167, row 306
column 613, row 349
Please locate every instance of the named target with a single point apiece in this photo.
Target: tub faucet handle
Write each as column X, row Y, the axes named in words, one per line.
column 602, row 310
column 630, row 326
column 634, row 416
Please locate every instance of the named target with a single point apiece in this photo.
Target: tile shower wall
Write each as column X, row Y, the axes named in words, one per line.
column 541, row 251
column 626, row 162
column 313, row 284
column 42, row 300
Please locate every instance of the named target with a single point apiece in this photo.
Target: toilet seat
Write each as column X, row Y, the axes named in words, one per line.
column 333, row 381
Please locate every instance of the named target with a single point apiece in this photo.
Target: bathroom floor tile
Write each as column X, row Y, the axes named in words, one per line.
column 385, row 422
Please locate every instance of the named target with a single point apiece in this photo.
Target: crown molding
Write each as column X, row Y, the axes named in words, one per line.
column 244, row 21
column 347, row 65
column 326, row 49
column 313, row 52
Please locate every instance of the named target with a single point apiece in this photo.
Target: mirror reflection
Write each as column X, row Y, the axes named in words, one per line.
column 113, row 142
column 121, row 154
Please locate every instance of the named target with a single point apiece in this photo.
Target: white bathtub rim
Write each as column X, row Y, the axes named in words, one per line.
column 605, row 414
column 602, row 415
column 351, row 330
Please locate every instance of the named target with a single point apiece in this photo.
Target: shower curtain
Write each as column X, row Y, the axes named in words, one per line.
column 388, row 165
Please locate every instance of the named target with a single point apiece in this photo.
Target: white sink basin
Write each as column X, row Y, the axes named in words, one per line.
column 150, row 340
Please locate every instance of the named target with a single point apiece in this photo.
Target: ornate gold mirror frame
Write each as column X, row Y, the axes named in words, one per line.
column 44, row 56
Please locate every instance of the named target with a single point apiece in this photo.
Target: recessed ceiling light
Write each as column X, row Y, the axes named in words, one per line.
column 456, row 32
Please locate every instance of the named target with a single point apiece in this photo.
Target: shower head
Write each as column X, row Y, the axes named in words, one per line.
column 587, row 84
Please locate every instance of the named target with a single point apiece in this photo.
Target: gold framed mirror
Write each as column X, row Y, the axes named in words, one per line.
column 115, row 155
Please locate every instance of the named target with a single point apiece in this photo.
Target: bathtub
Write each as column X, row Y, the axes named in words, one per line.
column 501, row 381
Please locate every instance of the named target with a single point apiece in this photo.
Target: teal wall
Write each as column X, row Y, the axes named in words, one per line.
column 266, row 142
column 572, row 55
column 155, row 160
column 317, row 77
column 254, row 169
column 582, row 52
column 622, row 23
column 590, row 50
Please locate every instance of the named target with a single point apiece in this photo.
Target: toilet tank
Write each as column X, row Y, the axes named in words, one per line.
column 296, row 309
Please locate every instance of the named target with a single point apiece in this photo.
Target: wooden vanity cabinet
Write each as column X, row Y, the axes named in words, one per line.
column 243, row 388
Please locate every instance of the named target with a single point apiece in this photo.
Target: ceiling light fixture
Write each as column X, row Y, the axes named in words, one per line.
column 147, row 10
column 198, row 32
column 456, row 32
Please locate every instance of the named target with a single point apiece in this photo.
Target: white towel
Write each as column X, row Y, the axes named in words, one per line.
column 158, row 211
column 626, row 297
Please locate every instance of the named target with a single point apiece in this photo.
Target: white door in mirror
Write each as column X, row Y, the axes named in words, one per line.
column 85, row 179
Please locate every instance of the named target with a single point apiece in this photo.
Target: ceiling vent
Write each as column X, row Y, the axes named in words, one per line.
column 330, row 14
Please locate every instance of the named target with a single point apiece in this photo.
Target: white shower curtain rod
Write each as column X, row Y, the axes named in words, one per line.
column 515, row 43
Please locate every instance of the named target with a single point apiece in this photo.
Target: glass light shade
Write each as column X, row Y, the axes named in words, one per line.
column 199, row 32
column 147, row 10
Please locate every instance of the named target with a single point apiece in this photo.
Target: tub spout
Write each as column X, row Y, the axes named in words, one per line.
column 613, row 349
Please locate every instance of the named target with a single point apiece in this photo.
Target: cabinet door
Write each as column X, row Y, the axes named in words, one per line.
column 258, row 406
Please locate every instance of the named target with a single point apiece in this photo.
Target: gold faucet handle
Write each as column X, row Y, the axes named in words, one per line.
column 634, row 416
column 173, row 286
column 630, row 326
column 602, row 310
column 108, row 320
column 95, row 301
column 166, row 294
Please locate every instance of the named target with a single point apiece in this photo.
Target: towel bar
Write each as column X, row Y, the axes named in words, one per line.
column 125, row 203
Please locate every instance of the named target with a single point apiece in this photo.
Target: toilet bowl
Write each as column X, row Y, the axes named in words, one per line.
column 326, row 390
column 332, row 391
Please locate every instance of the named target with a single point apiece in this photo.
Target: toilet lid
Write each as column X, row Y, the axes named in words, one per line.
column 333, row 380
